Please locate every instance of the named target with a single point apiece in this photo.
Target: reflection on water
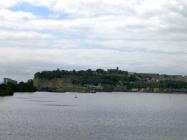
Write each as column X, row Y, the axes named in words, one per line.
column 105, row 116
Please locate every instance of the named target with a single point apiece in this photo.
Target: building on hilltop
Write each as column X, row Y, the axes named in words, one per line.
column 113, row 70
column 8, row 80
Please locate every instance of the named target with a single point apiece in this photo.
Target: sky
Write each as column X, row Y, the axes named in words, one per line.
column 136, row 35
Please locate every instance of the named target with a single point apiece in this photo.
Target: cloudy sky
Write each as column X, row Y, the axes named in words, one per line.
column 136, row 35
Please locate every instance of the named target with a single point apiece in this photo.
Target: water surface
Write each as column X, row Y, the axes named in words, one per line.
column 100, row 116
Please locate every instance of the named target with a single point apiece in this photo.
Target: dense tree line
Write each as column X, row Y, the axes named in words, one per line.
column 9, row 88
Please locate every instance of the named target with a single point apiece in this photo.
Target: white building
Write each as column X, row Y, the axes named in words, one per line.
column 8, row 80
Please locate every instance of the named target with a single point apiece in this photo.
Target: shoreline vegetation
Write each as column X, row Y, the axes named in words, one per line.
column 99, row 80
column 8, row 89
column 111, row 80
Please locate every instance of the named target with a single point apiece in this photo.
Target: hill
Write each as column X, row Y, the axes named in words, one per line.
column 107, row 81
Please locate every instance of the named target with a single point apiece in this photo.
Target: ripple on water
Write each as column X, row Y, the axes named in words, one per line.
column 62, row 105
column 43, row 101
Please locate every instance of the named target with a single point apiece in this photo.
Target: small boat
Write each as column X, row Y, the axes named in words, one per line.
column 75, row 96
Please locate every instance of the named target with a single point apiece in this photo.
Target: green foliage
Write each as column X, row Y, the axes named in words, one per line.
column 25, row 87
column 6, row 90
column 9, row 89
column 114, row 77
column 173, row 84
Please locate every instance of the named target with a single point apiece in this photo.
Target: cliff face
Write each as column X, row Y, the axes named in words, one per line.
column 58, row 85
column 66, row 85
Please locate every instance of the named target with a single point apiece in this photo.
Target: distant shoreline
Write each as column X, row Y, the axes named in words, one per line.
column 99, row 80
column 112, row 80
column 168, row 92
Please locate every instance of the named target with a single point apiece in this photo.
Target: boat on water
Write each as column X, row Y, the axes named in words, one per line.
column 76, row 96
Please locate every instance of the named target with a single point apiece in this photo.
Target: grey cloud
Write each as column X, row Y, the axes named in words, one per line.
column 140, row 36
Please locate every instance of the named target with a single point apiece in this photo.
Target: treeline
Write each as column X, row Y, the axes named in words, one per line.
column 115, row 77
column 9, row 88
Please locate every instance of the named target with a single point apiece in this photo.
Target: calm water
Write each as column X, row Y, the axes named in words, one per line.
column 100, row 116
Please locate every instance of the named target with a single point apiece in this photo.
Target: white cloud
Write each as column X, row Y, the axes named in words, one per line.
column 15, row 16
column 8, row 3
column 12, row 35
column 137, row 35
